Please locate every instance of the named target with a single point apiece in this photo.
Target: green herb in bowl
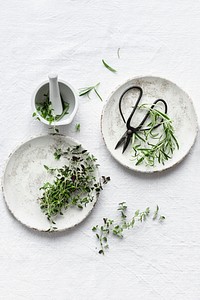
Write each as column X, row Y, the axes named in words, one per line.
column 46, row 111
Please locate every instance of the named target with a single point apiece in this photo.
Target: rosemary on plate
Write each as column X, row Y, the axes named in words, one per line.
column 87, row 90
column 74, row 184
column 117, row 228
column 154, row 145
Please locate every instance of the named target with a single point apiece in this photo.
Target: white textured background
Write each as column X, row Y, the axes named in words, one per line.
column 71, row 37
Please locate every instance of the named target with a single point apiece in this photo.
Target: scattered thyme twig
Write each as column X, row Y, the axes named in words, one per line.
column 78, row 127
column 153, row 145
column 87, row 90
column 117, row 228
column 108, row 67
column 74, row 184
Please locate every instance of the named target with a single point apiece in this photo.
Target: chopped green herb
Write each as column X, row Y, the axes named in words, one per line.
column 117, row 228
column 108, row 67
column 46, row 111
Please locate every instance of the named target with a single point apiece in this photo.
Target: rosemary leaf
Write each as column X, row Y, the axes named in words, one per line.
column 108, row 67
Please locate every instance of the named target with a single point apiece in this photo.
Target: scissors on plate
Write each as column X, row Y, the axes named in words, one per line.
column 126, row 138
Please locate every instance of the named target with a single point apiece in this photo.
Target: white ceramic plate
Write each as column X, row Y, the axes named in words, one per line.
column 25, row 174
column 180, row 110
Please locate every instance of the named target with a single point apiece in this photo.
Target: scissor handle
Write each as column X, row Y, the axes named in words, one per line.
column 147, row 115
column 136, row 105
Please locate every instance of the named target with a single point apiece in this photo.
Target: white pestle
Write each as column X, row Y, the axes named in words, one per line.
column 54, row 94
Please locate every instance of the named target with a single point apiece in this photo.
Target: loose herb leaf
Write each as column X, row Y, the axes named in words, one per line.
column 108, row 67
column 78, row 127
column 162, row 218
column 118, row 50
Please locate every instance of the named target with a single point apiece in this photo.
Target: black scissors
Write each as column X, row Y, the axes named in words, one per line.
column 125, row 139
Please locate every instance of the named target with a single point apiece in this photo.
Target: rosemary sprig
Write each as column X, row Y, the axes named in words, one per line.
column 87, row 90
column 154, row 145
column 73, row 185
column 108, row 67
column 117, row 228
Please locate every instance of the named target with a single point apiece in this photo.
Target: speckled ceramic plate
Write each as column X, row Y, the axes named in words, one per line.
column 25, row 174
column 180, row 110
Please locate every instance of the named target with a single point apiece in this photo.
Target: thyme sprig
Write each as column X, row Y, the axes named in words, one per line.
column 117, row 228
column 75, row 184
column 155, row 145
column 87, row 90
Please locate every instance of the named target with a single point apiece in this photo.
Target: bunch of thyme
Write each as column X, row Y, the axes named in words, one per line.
column 74, row 184
column 155, row 145
column 117, row 228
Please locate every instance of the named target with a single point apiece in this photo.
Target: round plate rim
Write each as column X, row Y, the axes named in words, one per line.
column 3, row 189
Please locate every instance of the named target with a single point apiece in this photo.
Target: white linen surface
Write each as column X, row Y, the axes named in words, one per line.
column 158, row 38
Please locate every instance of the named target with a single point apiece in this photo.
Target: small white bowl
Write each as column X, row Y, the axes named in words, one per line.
column 68, row 95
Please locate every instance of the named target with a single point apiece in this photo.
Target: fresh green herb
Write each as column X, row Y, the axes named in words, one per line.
column 108, row 67
column 154, row 145
column 87, row 90
column 74, row 184
column 78, row 127
column 46, row 111
column 117, row 228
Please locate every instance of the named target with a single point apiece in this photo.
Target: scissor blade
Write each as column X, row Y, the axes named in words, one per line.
column 121, row 141
column 127, row 141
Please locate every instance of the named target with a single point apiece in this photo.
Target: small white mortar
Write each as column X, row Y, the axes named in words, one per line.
column 68, row 95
